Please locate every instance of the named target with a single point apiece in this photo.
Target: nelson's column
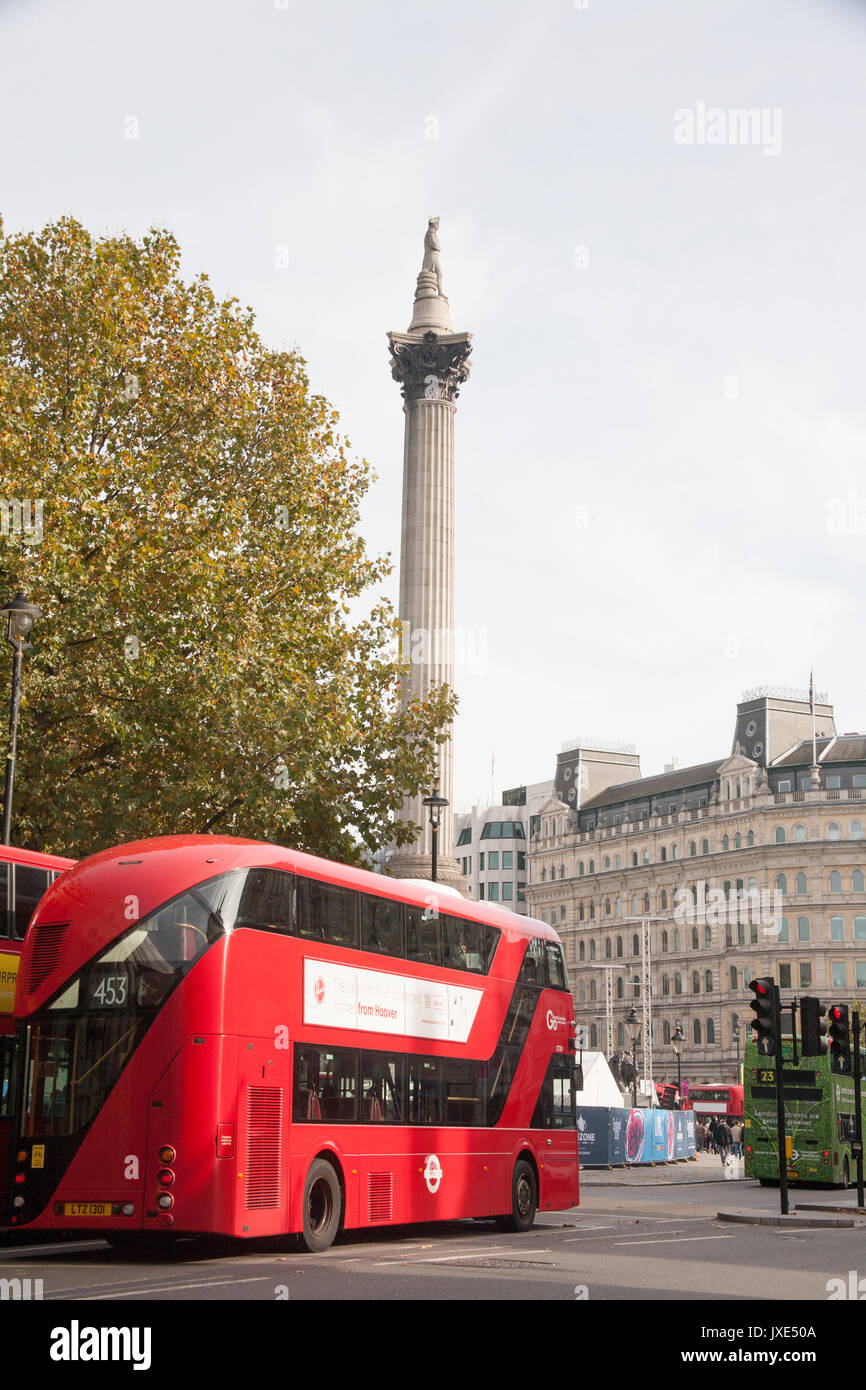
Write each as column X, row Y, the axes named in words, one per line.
column 430, row 362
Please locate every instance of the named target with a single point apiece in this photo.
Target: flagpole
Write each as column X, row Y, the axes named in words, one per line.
column 812, row 708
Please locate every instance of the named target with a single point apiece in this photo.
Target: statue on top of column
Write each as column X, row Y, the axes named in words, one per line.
column 431, row 251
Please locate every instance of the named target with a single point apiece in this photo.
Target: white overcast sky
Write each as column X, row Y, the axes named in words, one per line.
column 660, row 484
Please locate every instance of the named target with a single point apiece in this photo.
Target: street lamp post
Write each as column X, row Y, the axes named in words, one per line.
column 436, row 805
column 633, row 1025
column 737, row 1041
column 678, row 1039
column 20, row 617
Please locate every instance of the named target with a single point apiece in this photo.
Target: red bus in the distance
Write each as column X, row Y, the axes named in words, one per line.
column 719, row 1099
column 24, row 877
column 222, row 1036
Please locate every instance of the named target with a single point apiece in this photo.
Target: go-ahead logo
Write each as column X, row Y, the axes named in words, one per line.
column 319, row 990
column 554, row 1020
column 432, row 1172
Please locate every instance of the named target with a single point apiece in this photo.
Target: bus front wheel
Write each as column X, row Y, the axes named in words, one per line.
column 524, row 1198
column 323, row 1206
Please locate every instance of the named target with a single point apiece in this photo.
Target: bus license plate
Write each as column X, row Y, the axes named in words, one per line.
column 86, row 1208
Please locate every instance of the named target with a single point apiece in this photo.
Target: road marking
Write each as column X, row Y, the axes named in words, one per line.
column 172, row 1288
column 669, row 1240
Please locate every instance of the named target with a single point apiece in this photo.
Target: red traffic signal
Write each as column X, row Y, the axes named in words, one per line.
column 840, row 1038
column 763, row 1007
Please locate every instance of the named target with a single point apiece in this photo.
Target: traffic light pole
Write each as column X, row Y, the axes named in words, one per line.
column 858, row 1120
column 780, row 1105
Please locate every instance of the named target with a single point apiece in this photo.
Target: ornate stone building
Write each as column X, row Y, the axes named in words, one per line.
column 750, row 865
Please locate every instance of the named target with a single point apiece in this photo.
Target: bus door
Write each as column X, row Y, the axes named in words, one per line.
column 7, row 1074
column 260, row 1141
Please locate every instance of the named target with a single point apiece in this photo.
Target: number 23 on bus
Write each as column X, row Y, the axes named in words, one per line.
column 217, row 1035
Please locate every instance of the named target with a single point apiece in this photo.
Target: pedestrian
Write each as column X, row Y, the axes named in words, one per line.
column 737, row 1138
column 711, row 1134
column 700, row 1137
column 723, row 1141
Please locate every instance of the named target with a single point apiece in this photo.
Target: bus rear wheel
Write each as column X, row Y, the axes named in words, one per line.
column 524, row 1199
column 323, row 1206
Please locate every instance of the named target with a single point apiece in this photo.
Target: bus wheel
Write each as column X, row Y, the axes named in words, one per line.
column 524, row 1198
column 323, row 1206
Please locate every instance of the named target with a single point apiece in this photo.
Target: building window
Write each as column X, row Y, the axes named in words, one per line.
column 860, row 973
column 726, row 844
column 708, row 981
column 750, row 838
column 592, row 950
column 832, row 830
column 835, row 881
column 705, row 846
column 664, row 901
column 802, row 885
column 678, row 983
column 675, row 853
column 507, row 892
column 837, row 928
column 805, row 974
column 521, row 892
column 857, row 881
column 635, row 945
column 784, row 929
column 696, row 1031
column 733, row 974
column 666, row 1033
column 780, row 835
column 693, row 849
column 839, row 974
column 507, row 859
column 802, row 928
column 860, row 928
column 799, row 834
column 666, row 984
column 711, row 1031
column 493, row 859
column 664, row 943
column 619, row 986
column 696, row 982
column 833, row 783
column 784, row 975
column 781, row 883
column 619, row 948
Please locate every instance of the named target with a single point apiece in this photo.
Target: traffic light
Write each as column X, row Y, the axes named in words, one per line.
column 812, row 1026
column 840, row 1038
column 764, row 1008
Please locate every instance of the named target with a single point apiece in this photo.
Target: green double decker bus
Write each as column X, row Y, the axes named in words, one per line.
column 819, row 1118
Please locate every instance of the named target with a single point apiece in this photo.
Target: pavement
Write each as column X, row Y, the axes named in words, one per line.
column 705, row 1168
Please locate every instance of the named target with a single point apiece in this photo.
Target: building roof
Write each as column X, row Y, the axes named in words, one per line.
column 680, row 779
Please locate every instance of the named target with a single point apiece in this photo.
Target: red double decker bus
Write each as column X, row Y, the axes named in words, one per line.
column 722, row 1099
column 222, row 1036
column 24, row 877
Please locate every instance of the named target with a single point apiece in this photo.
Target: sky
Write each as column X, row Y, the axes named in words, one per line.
column 660, row 457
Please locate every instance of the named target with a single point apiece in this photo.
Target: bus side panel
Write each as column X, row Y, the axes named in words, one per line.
column 193, row 1098
column 263, row 1110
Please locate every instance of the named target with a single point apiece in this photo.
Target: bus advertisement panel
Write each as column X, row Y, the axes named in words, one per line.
column 222, row 1036
column 819, row 1119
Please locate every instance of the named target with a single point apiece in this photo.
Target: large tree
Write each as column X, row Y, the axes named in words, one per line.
column 197, row 667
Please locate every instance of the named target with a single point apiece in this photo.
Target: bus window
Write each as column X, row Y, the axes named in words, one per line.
column 383, row 1084
column 556, row 1101
column 326, row 912
column 381, row 925
column 30, row 884
column 7, row 1071
column 555, row 966
column 266, row 901
column 425, row 1090
column 533, row 971
column 464, row 1092
column 423, row 936
column 326, row 1084
column 464, row 944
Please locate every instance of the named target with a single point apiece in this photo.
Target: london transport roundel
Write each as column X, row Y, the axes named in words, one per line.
column 432, row 1172
column 319, row 990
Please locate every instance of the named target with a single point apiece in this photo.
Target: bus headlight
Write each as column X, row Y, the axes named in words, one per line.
column 165, row 1200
